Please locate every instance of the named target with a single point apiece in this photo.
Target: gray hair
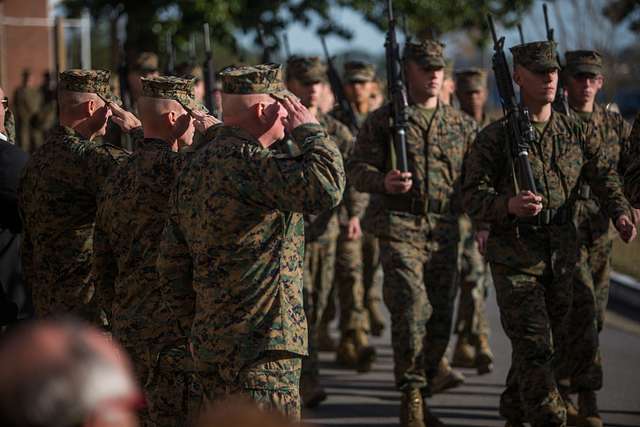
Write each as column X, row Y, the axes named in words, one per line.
column 63, row 393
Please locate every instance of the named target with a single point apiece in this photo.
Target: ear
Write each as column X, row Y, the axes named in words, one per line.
column 600, row 82
column 258, row 111
column 170, row 118
column 90, row 107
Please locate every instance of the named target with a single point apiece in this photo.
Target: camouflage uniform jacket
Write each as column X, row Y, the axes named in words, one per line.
column 232, row 250
column 611, row 131
column 562, row 154
column 57, row 198
column 132, row 212
column 632, row 172
column 435, row 152
column 326, row 225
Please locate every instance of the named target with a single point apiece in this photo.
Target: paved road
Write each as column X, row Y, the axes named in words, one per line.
column 371, row 400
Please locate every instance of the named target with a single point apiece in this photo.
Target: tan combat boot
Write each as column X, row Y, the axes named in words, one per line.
column 484, row 356
column 588, row 415
column 325, row 342
column 464, row 353
column 376, row 318
column 311, row 392
column 412, row 409
column 347, row 355
column 572, row 411
column 366, row 353
column 445, row 379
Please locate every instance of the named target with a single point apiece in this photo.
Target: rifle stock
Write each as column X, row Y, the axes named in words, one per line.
column 520, row 132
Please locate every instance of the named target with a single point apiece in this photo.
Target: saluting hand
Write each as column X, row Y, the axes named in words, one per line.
column 625, row 228
column 203, row 121
column 298, row 114
column 525, row 204
column 126, row 120
column 396, row 182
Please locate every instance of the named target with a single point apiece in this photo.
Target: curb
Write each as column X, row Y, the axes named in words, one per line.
column 624, row 290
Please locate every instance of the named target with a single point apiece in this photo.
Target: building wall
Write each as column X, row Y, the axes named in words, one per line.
column 26, row 41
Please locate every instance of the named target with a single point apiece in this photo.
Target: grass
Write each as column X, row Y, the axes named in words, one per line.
column 626, row 258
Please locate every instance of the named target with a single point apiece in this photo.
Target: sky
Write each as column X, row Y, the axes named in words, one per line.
column 577, row 32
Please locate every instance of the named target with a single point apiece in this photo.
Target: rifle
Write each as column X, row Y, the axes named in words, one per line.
column 266, row 51
column 560, row 102
column 338, row 90
column 171, row 56
column 521, row 34
column 123, row 74
column 397, row 92
column 518, row 124
column 209, row 73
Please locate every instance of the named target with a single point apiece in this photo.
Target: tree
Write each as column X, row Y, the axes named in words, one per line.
column 619, row 11
column 434, row 18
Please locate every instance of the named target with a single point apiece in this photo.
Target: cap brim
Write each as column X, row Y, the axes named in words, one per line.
column 110, row 98
column 282, row 95
column 585, row 69
column 542, row 67
column 359, row 79
column 193, row 105
column 431, row 63
column 466, row 88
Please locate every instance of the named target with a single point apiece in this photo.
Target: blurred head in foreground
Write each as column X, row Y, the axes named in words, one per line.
column 63, row 373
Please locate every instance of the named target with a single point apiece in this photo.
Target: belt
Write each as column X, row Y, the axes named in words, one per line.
column 417, row 206
column 561, row 216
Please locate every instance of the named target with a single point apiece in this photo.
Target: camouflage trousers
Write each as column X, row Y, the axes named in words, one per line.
column 419, row 290
column 170, row 387
column 533, row 311
column 272, row 382
column 475, row 279
column 349, row 284
column 583, row 365
column 319, row 263
column 371, row 269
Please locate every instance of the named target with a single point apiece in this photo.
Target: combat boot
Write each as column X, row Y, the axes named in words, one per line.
column 484, row 356
column 412, row 409
column 311, row 392
column 366, row 353
column 376, row 318
column 464, row 353
column 325, row 342
column 588, row 415
column 572, row 411
column 347, row 355
column 445, row 379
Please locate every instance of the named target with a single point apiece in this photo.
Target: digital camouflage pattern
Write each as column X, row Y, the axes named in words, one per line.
column 591, row 283
column 533, row 266
column 174, row 88
column 429, row 53
column 418, row 231
column 132, row 212
column 306, row 69
column 359, row 71
column 262, row 78
column 88, row 81
column 57, row 198
column 632, row 172
column 583, row 61
column 536, row 56
column 231, row 259
column 321, row 234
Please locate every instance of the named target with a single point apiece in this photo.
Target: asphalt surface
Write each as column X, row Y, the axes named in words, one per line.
column 371, row 400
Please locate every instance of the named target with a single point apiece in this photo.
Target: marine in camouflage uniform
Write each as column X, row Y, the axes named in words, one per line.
column 418, row 226
column 27, row 102
column 232, row 250
column 583, row 72
column 57, row 198
column 472, row 326
column 305, row 77
column 132, row 212
column 358, row 260
column 533, row 257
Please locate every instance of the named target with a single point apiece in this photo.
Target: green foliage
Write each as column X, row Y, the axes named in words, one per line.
column 433, row 18
column 619, row 11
